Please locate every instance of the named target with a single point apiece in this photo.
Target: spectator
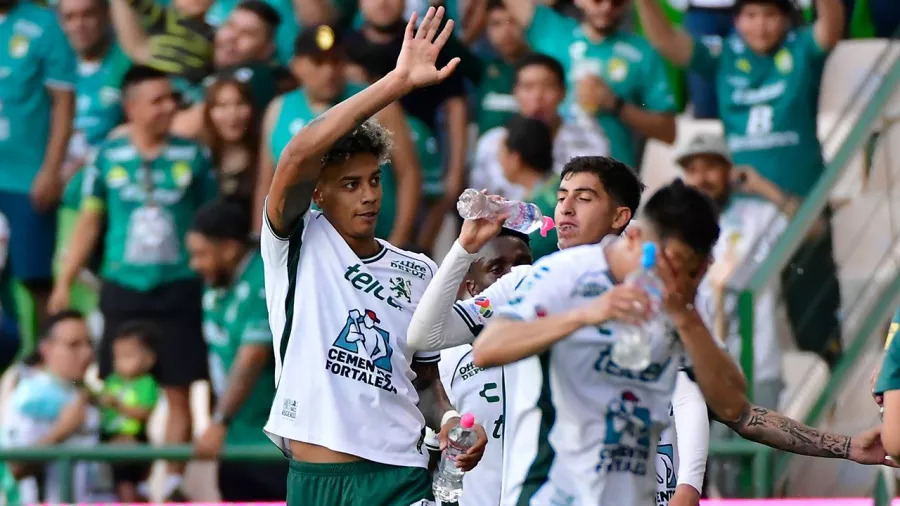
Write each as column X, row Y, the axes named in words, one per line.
column 244, row 48
column 35, row 124
column 540, row 88
column 708, row 21
column 148, row 185
column 768, row 73
column 612, row 73
column 526, row 155
column 241, row 357
column 9, row 328
column 320, row 65
column 221, row 14
column 374, row 50
column 100, row 67
column 494, row 87
column 49, row 406
column 172, row 38
column 128, row 398
column 232, row 128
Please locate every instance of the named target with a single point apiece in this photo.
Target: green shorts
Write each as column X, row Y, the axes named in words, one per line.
column 361, row 483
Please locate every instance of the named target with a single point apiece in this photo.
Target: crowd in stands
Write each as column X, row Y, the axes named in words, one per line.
column 138, row 139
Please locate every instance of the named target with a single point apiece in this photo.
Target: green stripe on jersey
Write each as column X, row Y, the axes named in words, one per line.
column 295, row 240
column 539, row 472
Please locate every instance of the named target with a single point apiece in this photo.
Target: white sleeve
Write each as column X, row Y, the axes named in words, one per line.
column 691, row 431
column 431, row 328
column 276, row 249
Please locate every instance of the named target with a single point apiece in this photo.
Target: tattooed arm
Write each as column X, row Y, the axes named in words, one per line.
column 782, row 433
column 300, row 162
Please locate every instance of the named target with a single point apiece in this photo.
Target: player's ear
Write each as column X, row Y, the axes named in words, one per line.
column 621, row 218
column 317, row 197
column 471, row 289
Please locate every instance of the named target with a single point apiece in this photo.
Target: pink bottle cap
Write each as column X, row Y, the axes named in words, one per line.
column 467, row 421
column 547, row 225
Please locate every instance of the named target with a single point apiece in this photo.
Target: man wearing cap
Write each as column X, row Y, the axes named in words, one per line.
column 241, row 359
column 754, row 213
column 767, row 73
column 319, row 65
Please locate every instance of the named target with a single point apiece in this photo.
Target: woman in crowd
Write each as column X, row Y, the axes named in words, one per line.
column 232, row 134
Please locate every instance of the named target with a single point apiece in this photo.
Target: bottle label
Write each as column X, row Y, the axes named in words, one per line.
column 454, row 449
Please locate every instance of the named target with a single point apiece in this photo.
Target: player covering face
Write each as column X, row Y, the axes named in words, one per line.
column 351, row 400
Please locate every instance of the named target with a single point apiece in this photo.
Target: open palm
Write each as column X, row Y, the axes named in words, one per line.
column 418, row 56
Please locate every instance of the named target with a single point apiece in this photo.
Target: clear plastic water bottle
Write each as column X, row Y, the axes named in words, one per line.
column 523, row 216
column 634, row 343
column 448, row 478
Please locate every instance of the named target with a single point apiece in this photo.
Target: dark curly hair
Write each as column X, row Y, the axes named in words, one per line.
column 368, row 138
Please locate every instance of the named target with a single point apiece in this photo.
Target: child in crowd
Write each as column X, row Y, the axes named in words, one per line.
column 127, row 400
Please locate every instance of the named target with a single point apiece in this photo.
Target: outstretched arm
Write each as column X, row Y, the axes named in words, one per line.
column 300, row 164
column 674, row 44
column 782, row 433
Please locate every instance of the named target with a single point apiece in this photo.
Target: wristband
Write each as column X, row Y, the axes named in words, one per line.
column 219, row 418
column 617, row 106
column 448, row 415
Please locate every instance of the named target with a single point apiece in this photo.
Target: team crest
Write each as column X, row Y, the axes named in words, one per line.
column 181, row 173
column 18, row 46
column 402, row 288
column 784, row 62
column 617, row 69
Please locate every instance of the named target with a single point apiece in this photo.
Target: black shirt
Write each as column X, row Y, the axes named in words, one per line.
column 378, row 59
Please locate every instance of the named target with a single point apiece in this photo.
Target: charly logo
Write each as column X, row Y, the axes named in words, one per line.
column 362, row 351
column 626, row 448
column 665, row 470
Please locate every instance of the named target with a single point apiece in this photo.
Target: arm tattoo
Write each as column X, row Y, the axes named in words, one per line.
column 433, row 401
column 297, row 199
column 783, row 433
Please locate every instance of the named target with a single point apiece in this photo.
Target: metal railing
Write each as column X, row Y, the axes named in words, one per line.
column 65, row 458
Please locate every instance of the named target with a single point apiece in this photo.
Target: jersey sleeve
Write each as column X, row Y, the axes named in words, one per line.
column 692, row 430
column 889, row 377
column 656, row 91
column 542, row 292
column 256, row 317
column 93, row 186
column 278, row 251
column 58, row 58
column 705, row 57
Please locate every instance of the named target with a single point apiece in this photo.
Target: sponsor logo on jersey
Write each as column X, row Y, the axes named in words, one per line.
column 412, row 267
column 367, row 283
column 468, row 370
column 605, row 364
column 665, row 474
column 626, row 448
column 362, row 351
column 591, row 284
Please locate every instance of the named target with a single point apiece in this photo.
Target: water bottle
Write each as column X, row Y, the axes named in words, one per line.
column 634, row 343
column 447, row 484
column 523, row 217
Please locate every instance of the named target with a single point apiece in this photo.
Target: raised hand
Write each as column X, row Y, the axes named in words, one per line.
column 417, row 62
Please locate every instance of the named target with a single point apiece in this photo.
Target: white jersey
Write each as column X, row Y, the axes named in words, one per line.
column 749, row 227
column 339, row 323
column 585, row 430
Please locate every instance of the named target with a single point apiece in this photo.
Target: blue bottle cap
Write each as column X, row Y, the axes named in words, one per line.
column 648, row 256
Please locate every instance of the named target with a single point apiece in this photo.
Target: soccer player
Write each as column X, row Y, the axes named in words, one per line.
column 480, row 391
column 345, row 408
column 241, row 359
column 604, row 421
